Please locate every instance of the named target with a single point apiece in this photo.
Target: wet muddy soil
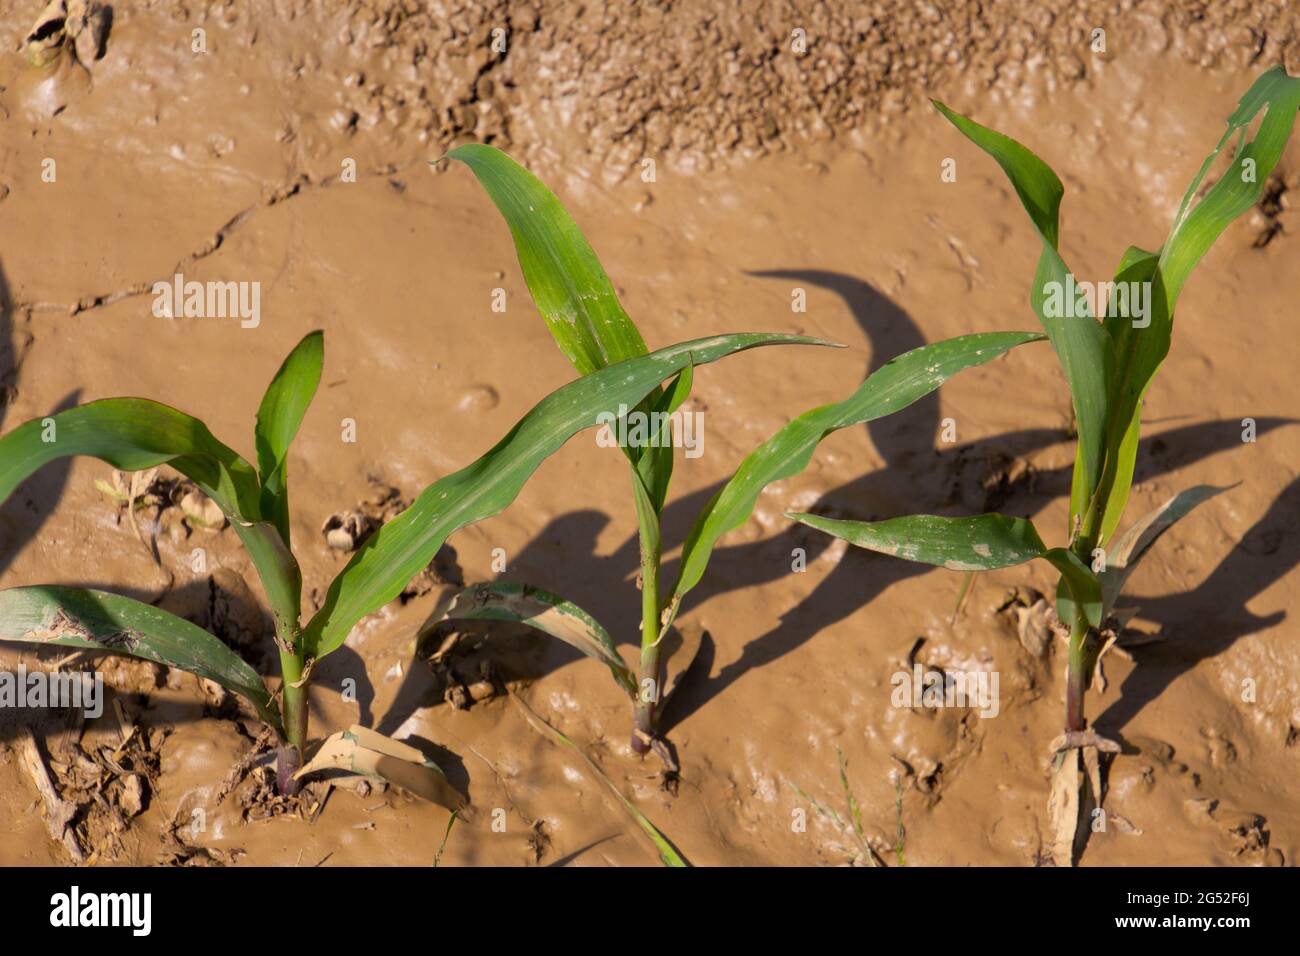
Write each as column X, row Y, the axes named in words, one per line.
column 773, row 172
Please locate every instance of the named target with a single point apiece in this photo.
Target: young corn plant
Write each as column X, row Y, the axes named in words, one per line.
column 577, row 301
column 1108, row 364
column 134, row 434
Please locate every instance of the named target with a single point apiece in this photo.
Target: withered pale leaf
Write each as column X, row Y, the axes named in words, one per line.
column 363, row 751
column 1063, row 806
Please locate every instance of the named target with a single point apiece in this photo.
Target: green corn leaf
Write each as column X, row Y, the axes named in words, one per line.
column 281, row 412
column 133, row 434
column 548, row 613
column 1136, row 265
column 401, row 548
column 1125, row 462
column 892, row 387
column 649, row 534
column 1196, row 227
column 1140, row 351
column 566, row 280
column 979, row 543
column 1077, row 502
column 572, row 292
column 1130, row 547
column 654, row 463
column 575, row 297
column 1081, row 343
column 652, row 472
column 97, row 620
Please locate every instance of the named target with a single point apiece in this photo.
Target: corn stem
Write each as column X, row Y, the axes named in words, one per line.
column 293, row 702
column 648, row 689
column 1076, row 675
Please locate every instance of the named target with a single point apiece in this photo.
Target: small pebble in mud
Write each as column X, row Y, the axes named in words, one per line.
column 344, row 531
column 344, row 120
column 478, row 398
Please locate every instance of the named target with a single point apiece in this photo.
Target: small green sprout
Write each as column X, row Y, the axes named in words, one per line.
column 451, row 822
column 855, row 827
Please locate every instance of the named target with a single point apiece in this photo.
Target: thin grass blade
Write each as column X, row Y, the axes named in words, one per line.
column 451, row 822
column 668, row 854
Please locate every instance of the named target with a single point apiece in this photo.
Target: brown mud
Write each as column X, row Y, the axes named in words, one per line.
column 774, row 172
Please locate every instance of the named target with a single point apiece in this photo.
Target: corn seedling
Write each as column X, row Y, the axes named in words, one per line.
column 577, row 301
column 1108, row 364
column 134, row 434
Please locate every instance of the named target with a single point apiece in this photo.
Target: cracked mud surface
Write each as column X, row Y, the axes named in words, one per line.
column 773, row 173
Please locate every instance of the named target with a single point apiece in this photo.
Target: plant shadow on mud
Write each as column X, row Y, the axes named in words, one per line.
column 1207, row 620
column 21, row 520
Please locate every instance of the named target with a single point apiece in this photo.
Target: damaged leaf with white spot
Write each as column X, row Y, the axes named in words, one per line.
column 359, row 750
column 97, row 620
